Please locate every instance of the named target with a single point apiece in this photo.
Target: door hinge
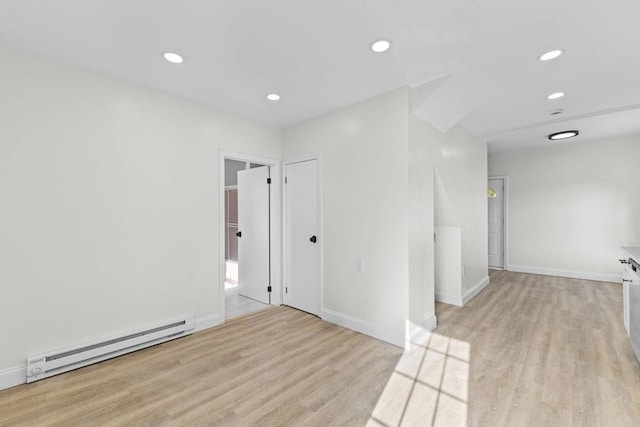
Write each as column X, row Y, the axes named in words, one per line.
column 286, row 290
column 268, row 180
column 434, row 237
column 285, row 179
column 268, row 288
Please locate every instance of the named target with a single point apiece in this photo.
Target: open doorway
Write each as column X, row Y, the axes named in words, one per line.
column 497, row 222
column 249, row 234
column 231, row 168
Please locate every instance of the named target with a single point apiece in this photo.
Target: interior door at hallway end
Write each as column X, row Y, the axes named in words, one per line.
column 253, row 233
column 302, row 244
column 496, row 222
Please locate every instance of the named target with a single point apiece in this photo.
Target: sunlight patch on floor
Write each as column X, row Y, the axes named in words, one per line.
column 429, row 385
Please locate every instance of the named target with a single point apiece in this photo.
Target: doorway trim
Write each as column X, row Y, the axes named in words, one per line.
column 505, row 213
column 275, row 224
column 320, row 224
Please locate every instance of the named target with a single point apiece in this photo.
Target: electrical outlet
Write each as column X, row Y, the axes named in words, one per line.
column 359, row 265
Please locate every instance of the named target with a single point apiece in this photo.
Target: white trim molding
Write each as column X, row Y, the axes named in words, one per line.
column 599, row 277
column 419, row 333
column 449, row 299
column 396, row 338
column 276, row 222
column 468, row 295
column 471, row 293
column 430, row 323
column 13, row 376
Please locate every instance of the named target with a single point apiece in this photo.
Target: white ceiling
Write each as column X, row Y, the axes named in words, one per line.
column 316, row 55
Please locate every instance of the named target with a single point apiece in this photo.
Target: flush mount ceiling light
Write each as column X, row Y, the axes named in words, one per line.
column 273, row 97
column 563, row 135
column 380, row 46
column 551, row 55
column 556, row 95
column 173, row 57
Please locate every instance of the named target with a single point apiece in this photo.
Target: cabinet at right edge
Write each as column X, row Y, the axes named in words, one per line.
column 625, row 305
column 628, row 277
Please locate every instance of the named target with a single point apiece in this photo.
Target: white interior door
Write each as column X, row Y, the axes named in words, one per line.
column 253, row 237
column 302, row 245
column 496, row 223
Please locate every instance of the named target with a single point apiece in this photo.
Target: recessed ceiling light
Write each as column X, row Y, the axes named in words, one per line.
column 380, row 46
column 173, row 57
column 563, row 135
column 551, row 55
column 273, row 97
column 556, row 95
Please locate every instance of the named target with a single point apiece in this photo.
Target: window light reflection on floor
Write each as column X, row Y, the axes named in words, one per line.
column 429, row 385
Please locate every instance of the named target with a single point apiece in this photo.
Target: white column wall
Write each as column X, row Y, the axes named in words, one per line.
column 363, row 150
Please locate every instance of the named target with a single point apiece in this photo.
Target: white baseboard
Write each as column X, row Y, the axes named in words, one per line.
column 393, row 337
column 430, row 323
column 207, row 321
column 419, row 334
column 449, row 299
column 13, row 376
column 18, row 375
column 566, row 273
column 468, row 296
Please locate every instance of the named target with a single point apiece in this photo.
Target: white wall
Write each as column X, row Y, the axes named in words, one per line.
column 108, row 205
column 459, row 168
column 461, row 165
column 448, row 265
column 363, row 150
column 421, row 246
column 377, row 172
column 572, row 205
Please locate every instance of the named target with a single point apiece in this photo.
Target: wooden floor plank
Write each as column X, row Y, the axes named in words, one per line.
column 529, row 350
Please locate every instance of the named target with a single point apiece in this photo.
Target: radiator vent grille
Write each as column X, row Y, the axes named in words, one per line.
column 53, row 363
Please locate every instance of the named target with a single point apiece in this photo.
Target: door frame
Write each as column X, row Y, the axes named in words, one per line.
column 275, row 224
column 505, row 214
column 320, row 225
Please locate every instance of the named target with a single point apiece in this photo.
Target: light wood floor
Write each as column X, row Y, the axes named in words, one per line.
column 528, row 351
column 278, row 366
column 546, row 351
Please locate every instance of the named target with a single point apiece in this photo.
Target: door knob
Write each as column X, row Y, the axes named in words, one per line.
column 239, row 234
column 313, row 239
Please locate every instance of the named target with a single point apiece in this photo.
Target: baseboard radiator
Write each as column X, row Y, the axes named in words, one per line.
column 53, row 363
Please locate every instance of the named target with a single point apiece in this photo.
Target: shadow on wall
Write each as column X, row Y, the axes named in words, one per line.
column 429, row 385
